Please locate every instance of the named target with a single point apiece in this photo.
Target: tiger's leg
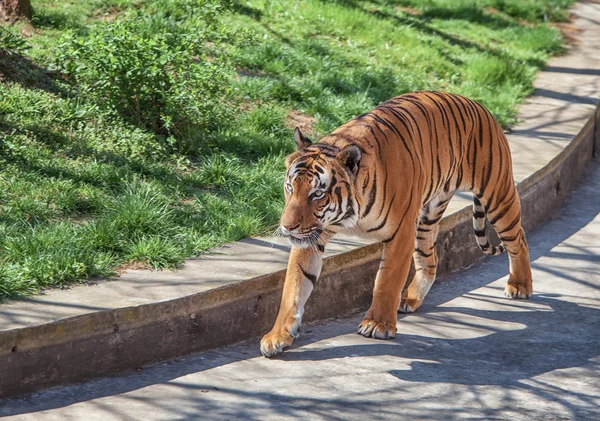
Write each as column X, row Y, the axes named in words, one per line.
column 425, row 255
column 504, row 214
column 380, row 319
column 304, row 268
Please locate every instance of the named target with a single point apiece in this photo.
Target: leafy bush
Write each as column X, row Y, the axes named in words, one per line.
column 166, row 69
column 162, row 81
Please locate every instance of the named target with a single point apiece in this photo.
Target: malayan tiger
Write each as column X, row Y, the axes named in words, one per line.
column 388, row 175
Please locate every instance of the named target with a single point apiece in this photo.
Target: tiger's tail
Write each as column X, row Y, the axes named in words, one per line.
column 479, row 228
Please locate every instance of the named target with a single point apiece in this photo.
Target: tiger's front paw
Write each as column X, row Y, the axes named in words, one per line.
column 377, row 329
column 275, row 342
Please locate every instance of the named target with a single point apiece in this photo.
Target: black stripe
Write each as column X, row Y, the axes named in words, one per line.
column 372, row 196
column 504, row 211
column 312, row 278
column 475, row 163
column 480, row 233
column 372, row 134
column 509, row 239
column 460, row 107
column 366, row 182
column 422, row 253
column 387, row 240
column 378, row 227
column 426, row 221
column 384, row 191
column 512, row 225
column 489, row 164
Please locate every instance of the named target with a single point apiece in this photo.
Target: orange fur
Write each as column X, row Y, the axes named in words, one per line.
column 389, row 174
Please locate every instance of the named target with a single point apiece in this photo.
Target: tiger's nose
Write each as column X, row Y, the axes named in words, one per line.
column 291, row 227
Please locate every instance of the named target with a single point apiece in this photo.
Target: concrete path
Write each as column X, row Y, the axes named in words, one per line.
column 468, row 353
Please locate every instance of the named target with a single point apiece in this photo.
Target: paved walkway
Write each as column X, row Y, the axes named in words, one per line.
column 566, row 95
column 468, row 353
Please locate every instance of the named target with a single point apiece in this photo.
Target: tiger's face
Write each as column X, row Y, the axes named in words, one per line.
column 318, row 191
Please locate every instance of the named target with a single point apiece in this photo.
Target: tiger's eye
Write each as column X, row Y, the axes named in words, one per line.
column 318, row 194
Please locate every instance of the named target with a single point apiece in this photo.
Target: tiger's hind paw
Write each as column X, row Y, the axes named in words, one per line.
column 513, row 290
column 409, row 305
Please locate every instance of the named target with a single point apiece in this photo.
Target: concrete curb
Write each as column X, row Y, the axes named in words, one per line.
column 597, row 135
column 95, row 344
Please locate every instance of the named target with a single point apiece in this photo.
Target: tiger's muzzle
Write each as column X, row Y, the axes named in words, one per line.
column 298, row 238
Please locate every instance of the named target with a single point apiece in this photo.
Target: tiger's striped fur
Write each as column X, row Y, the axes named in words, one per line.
column 389, row 174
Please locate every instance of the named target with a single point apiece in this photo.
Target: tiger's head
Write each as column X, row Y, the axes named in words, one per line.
column 318, row 190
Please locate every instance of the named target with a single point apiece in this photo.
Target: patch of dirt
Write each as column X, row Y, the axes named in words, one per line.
column 569, row 32
column 301, row 120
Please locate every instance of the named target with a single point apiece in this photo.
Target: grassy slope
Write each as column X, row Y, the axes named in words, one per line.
column 82, row 191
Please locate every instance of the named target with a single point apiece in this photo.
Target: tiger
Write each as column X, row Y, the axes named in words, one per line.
column 388, row 175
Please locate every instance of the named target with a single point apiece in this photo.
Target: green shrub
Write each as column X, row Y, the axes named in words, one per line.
column 162, row 81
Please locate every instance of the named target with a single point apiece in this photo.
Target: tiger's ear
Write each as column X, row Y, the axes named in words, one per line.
column 349, row 157
column 301, row 140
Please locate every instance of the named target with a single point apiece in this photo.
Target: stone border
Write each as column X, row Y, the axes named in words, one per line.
column 95, row 344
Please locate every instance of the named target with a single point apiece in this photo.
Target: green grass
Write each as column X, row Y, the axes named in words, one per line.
column 147, row 132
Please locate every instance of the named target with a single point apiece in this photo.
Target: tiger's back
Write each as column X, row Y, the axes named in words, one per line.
column 434, row 143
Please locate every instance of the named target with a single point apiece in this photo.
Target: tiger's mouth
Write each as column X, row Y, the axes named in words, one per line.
column 300, row 240
column 305, row 239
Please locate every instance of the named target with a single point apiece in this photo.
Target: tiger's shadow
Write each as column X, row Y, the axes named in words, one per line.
column 555, row 338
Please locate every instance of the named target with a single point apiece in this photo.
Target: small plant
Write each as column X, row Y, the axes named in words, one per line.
column 11, row 43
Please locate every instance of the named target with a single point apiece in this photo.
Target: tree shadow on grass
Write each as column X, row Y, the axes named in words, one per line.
column 472, row 14
column 382, row 85
column 16, row 68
